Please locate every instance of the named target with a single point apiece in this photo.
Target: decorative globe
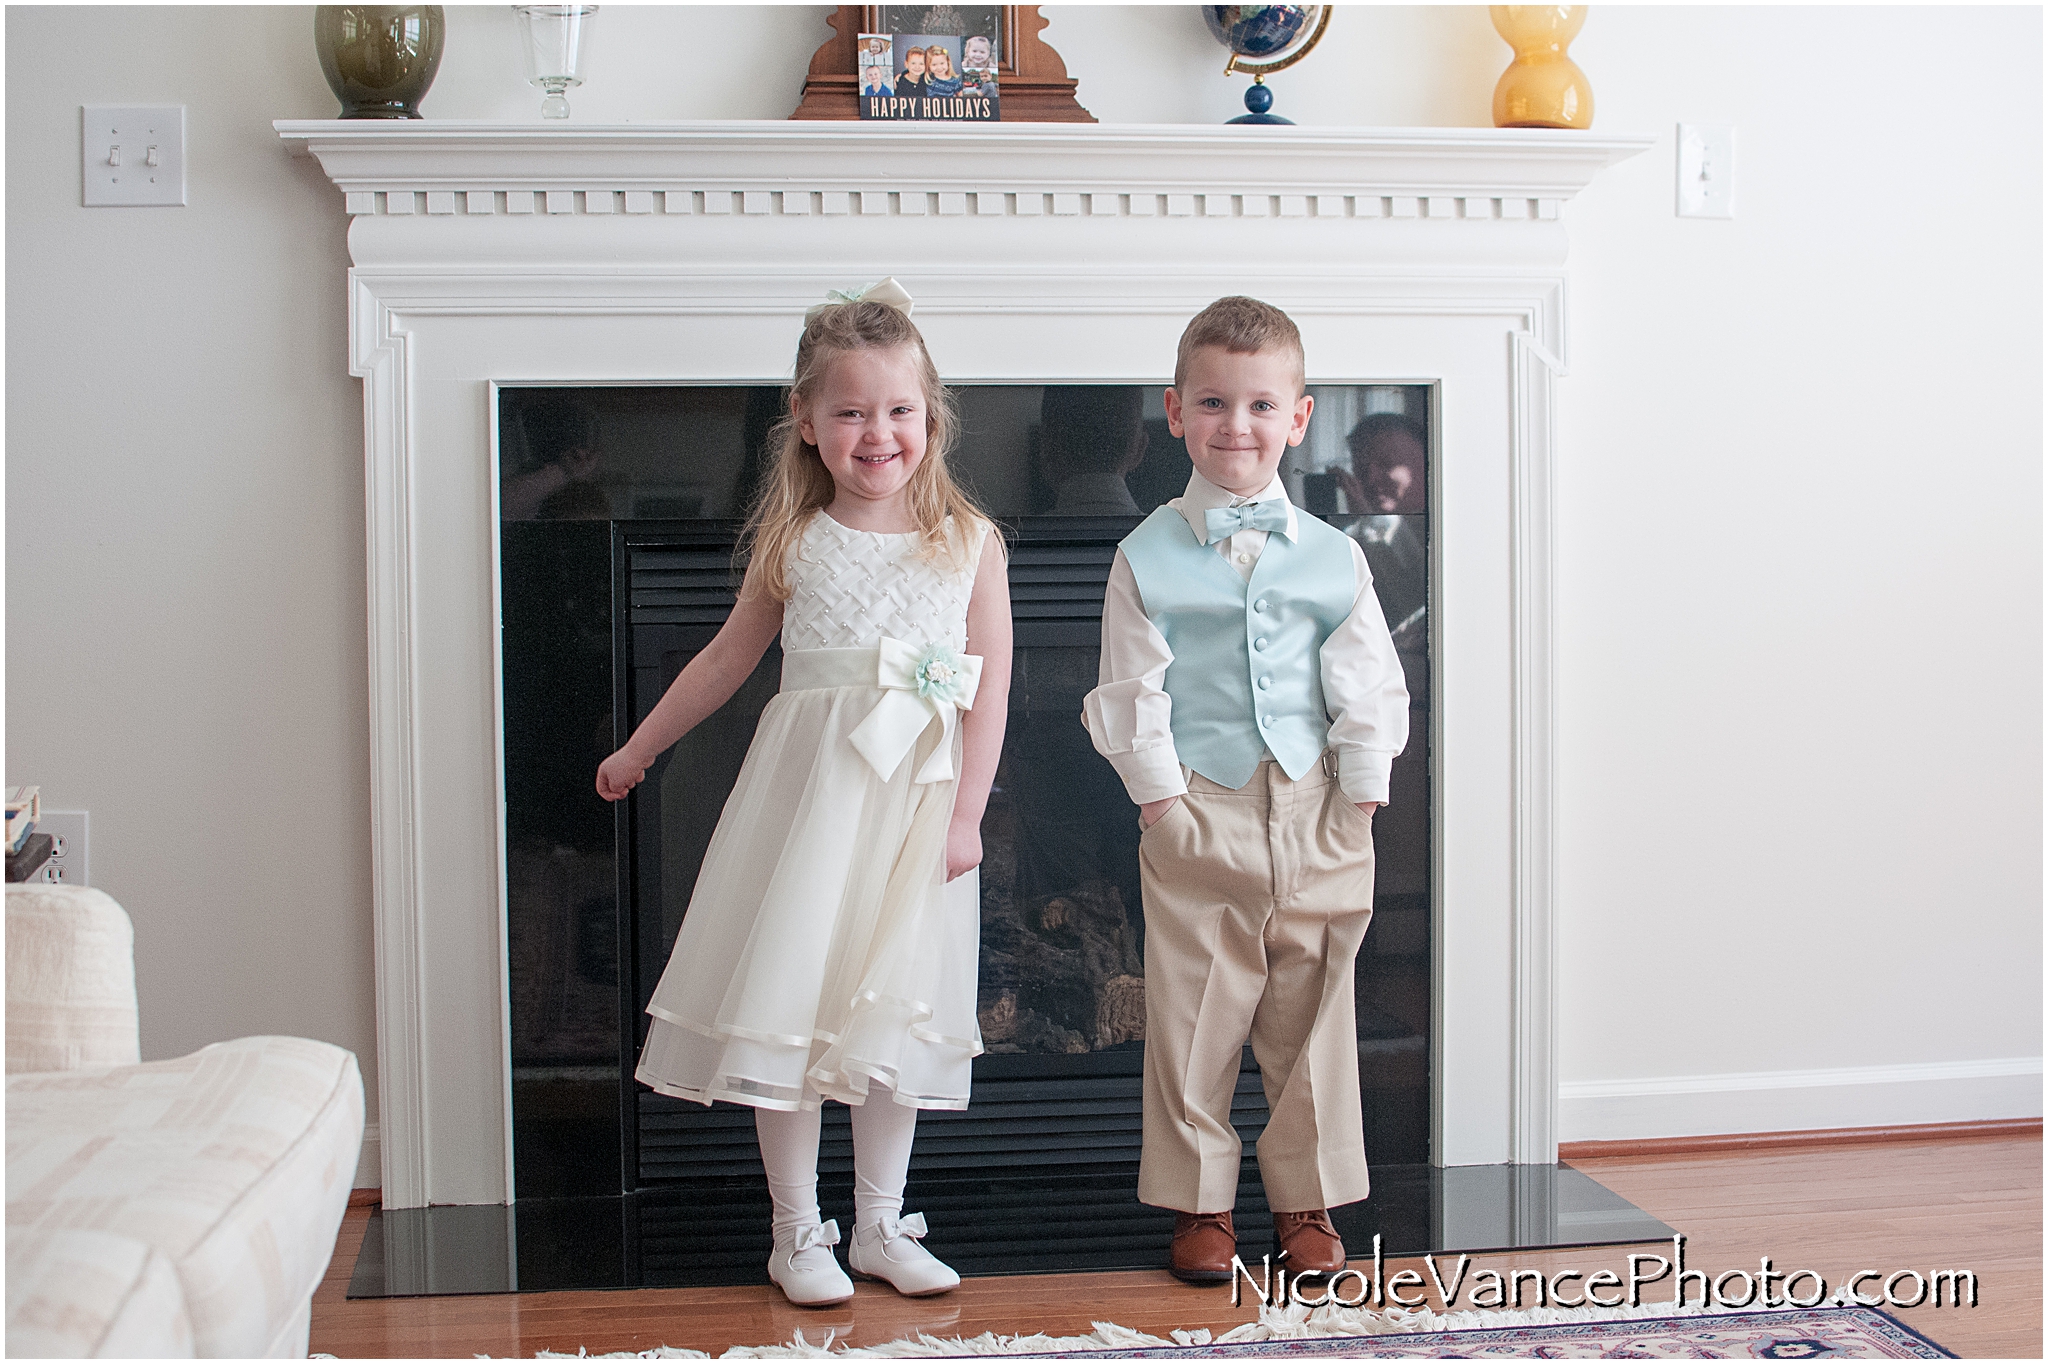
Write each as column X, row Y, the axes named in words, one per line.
column 1264, row 39
column 1259, row 32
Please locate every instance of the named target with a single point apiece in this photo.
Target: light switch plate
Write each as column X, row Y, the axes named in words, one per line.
column 1706, row 170
column 120, row 141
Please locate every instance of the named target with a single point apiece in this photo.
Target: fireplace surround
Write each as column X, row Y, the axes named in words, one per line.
column 485, row 255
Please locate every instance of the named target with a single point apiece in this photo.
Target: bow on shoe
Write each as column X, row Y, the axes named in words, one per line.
column 918, row 687
column 817, row 1234
column 1270, row 516
column 892, row 1226
column 886, row 291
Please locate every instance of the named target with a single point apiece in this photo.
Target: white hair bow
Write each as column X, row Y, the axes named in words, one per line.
column 887, row 291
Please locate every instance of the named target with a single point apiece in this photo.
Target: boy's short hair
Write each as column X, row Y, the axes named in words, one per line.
column 1242, row 326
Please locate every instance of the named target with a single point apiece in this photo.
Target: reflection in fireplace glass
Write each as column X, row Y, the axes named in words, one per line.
column 621, row 508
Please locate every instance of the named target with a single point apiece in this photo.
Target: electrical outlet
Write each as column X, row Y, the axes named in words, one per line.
column 67, row 830
column 1706, row 170
column 133, row 154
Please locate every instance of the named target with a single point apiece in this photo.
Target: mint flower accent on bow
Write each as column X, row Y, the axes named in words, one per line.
column 942, row 674
column 1270, row 516
column 882, row 291
column 920, row 686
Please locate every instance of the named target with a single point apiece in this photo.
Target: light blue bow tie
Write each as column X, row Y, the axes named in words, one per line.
column 1270, row 515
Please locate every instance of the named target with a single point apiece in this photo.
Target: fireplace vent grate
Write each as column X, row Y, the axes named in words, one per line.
column 1059, row 582
column 1054, row 576
column 1019, row 1124
column 682, row 584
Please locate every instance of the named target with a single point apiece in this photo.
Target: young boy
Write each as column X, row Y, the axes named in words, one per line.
column 1252, row 702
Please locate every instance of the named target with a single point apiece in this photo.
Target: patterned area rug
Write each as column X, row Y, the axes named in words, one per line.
column 1833, row 1332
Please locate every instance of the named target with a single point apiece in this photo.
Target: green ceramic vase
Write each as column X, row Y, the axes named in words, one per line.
column 379, row 59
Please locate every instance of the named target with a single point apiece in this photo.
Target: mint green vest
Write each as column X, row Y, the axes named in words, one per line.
column 1247, row 670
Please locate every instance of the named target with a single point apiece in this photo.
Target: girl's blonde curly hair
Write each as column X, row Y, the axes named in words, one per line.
column 798, row 486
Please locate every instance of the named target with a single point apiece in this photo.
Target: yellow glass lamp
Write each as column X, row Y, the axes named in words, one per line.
column 1542, row 87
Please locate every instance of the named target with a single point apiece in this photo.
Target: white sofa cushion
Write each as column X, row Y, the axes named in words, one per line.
column 233, row 1163
column 70, row 980
column 93, row 1294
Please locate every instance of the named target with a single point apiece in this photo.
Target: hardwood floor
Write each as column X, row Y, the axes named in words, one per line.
column 1923, row 1205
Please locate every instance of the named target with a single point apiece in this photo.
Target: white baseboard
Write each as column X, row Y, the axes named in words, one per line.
column 1799, row 1100
column 370, row 1165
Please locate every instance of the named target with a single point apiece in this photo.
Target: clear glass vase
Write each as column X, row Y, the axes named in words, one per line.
column 553, row 42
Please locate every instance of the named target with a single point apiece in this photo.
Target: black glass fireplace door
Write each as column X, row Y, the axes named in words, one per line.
column 601, row 611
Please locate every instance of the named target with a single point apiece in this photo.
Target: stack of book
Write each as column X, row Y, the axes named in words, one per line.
column 27, row 850
column 24, row 810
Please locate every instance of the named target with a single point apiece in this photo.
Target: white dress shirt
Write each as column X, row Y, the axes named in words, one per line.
column 1129, row 715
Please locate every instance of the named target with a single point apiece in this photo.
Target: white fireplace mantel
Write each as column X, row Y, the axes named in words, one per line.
column 671, row 253
column 772, row 168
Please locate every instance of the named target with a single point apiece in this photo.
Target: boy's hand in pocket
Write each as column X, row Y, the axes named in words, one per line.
column 1152, row 811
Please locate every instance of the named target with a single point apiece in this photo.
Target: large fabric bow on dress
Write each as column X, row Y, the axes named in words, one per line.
column 919, row 686
column 1270, row 516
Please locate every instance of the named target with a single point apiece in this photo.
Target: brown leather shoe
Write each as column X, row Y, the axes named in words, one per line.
column 1203, row 1245
column 1308, row 1241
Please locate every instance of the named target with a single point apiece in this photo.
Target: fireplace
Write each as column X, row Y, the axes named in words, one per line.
column 488, row 258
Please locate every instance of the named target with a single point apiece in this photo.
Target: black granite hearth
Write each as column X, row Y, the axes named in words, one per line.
column 982, row 1224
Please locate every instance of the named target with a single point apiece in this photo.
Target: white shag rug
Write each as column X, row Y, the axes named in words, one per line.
column 1274, row 1323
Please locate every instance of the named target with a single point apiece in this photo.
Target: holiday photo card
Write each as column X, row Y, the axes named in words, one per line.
column 929, row 76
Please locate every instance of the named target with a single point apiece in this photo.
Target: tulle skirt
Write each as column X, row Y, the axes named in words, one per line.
column 823, row 949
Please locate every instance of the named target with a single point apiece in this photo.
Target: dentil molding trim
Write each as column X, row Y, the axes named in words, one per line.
column 786, row 169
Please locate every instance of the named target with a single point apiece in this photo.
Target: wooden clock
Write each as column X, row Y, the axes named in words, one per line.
column 1035, row 85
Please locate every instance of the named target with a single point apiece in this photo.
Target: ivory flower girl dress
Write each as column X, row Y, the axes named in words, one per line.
column 823, row 949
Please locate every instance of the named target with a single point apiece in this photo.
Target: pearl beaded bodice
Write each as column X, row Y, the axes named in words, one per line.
column 852, row 588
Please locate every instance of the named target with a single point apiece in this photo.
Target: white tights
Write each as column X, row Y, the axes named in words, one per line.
column 882, row 1133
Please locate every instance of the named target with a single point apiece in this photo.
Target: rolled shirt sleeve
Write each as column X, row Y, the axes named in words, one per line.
column 1129, row 715
column 1366, row 694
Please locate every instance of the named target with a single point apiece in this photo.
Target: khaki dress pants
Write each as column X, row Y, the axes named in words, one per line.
column 1256, row 901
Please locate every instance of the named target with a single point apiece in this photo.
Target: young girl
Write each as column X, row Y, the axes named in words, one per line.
column 831, row 947
column 942, row 80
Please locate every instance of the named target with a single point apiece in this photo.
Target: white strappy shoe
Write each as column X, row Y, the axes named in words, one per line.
column 803, row 1266
column 888, row 1250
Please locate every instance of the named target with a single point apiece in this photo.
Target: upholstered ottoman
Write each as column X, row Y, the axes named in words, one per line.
column 175, row 1207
